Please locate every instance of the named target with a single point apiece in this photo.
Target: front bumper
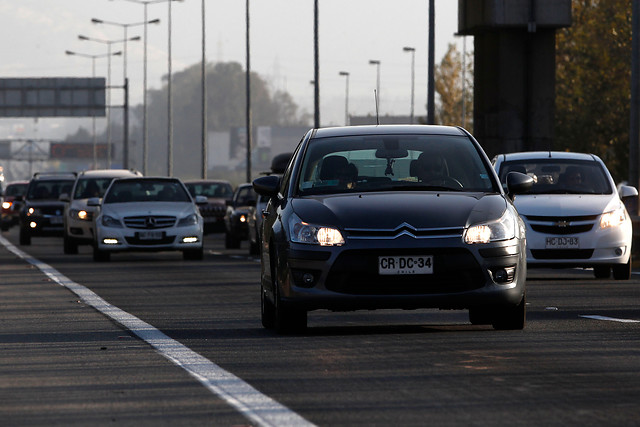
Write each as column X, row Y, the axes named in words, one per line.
column 165, row 239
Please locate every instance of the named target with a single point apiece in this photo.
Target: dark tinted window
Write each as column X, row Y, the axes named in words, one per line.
column 127, row 191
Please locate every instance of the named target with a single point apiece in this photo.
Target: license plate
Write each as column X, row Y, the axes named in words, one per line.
column 396, row 265
column 562, row 242
column 56, row 220
column 150, row 235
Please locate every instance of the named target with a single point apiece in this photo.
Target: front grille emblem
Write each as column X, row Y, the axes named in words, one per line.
column 562, row 224
column 150, row 222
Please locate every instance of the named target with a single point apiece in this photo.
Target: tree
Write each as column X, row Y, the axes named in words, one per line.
column 448, row 85
column 592, row 82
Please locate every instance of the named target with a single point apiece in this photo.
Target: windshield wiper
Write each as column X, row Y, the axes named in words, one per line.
column 419, row 187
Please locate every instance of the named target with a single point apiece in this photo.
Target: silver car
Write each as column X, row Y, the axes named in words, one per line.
column 148, row 214
column 574, row 214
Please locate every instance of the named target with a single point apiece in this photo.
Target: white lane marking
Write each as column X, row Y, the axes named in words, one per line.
column 257, row 407
column 610, row 319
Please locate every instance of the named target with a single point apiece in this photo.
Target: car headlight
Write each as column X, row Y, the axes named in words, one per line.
column 6, row 205
column 109, row 221
column 492, row 231
column 33, row 211
column 613, row 219
column 79, row 214
column 188, row 220
column 301, row 232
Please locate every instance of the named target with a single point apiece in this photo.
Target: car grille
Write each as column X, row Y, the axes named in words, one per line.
column 561, row 225
column 356, row 273
column 209, row 210
column 166, row 240
column 149, row 221
column 562, row 253
column 403, row 229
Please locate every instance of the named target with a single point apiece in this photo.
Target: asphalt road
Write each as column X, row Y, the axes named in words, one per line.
column 208, row 361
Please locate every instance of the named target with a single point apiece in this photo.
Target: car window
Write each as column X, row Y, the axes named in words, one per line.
column 48, row 189
column 558, row 176
column 380, row 163
column 16, row 190
column 129, row 191
column 222, row 190
column 91, row 187
column 246, row 196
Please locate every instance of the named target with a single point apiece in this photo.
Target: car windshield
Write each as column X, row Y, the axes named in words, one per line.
column 49, row 189
column 128, row 191
column 558, row 176
column 15, row 190
column 393, row 162
column 222, row 190
column 91, row 187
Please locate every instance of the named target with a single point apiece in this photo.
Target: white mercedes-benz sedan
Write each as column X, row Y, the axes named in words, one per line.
column 574, row 214
column 147, row 214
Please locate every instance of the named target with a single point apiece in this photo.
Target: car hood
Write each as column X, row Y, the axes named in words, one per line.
column 390, row 210
column 565, row 204
column 177, row 209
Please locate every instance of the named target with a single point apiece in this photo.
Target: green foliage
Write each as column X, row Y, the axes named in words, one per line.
column 448, row 86
column 592, row 82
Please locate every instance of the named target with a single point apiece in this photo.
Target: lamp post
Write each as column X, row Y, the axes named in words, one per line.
column 413, row 75
column 145, row 144
column 108, row 43
column 125, row 152
column 377, row 64
column 346, row 97
column 93, row 116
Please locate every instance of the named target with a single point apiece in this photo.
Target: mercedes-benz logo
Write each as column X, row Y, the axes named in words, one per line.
column 150, row 222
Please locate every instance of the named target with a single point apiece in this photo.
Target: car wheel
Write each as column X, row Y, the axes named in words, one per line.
column 254, row 248
column 5, row 226
column 193, row 254
column 99, row 255
column 267, row 310
column 622, row 271
column 25, row 236
column 230, row 242
column 602, row 271
column 70, row 246
column 287, row 319
column 511, row 317
column 480, row 316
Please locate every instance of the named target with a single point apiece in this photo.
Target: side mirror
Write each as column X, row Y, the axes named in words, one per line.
column 64, row 197
column 267, row 185
column 627, row 191
column 94, row 201
column 201, row 200
column 518, row 183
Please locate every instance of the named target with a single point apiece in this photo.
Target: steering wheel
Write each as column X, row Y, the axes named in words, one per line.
column 444, row 181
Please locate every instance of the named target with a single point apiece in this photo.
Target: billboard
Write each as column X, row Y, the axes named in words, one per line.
column 52, row 97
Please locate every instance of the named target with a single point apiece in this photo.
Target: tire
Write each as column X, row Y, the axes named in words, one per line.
column 100, row 256
column 602, row 271
column 287, row 319
column 70, row 245
column 193, row 254
column 254, row 248
column 25, row 237
column 267, row 311
column 230, row 242
column 622, row 271
column 511, row 317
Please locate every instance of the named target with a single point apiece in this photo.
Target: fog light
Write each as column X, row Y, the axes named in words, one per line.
column 619, row 251
column 190, row 239
column 110, row 241
column 33, row 224
column 503, row 275
column 307, row 279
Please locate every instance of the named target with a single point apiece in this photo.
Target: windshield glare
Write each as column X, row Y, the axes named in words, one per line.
column 551, row 176
column 393, row 162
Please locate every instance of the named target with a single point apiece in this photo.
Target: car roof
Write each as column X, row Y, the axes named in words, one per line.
column 109, row 173
column 562, row 155
column 54, row 176
column 207, row 181
column 388, row 130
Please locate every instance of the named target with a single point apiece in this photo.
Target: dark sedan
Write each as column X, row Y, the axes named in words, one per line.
column 371, row 217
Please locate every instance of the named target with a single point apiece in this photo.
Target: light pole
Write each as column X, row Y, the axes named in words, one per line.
column 125, row 154
column 249, row 122
column 145, row 144
column 377, row 99
column 108, row 43
column 413, row 75
column 93, row 116
column 346, row 97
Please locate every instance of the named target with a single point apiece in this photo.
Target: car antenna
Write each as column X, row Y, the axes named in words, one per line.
column 375, row 97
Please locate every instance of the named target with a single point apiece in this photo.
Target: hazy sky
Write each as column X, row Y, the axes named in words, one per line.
column 36, row 34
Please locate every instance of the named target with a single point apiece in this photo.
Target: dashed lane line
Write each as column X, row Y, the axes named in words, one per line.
column 255, row 406
column 610, row 319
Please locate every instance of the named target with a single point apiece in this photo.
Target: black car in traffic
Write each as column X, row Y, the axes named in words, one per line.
column 372, row 217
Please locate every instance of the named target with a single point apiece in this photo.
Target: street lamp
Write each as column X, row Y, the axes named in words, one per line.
column 413, row 74
column 125, row 152
column 108, row 43
column 377, row 64
column 93, row 74
column 145, row 145
column 346, row 98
